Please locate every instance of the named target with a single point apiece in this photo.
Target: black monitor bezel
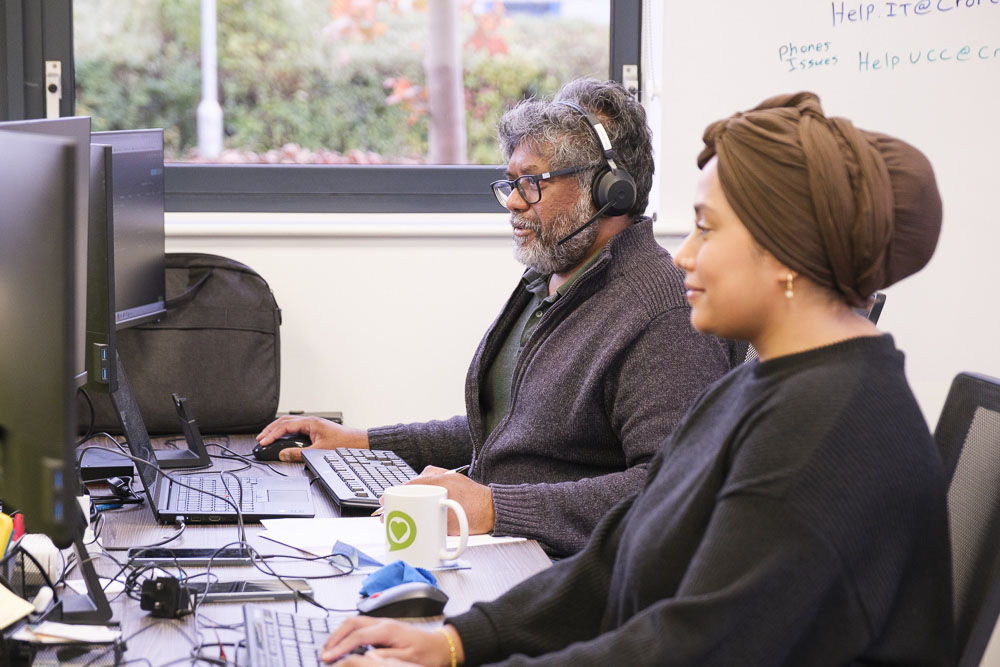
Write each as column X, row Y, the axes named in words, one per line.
column 38, row 416
column 76, row 129
column 150, row 311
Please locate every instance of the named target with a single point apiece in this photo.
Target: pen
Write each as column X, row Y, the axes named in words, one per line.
column 459, row 469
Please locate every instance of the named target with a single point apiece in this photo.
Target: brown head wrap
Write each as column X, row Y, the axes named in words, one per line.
column 852, row 210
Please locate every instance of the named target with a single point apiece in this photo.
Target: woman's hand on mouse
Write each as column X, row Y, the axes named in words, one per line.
column 323, row 433
column 401, row 644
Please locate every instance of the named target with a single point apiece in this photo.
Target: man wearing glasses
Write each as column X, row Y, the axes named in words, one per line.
column 591, row 362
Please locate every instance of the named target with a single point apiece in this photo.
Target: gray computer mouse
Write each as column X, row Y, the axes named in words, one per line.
column 413, row 599
column 270, row 452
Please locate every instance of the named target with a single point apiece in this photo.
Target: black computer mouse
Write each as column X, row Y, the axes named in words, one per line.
column 270, row 452
column 413, row 599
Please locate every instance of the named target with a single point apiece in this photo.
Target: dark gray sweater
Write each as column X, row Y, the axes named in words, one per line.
column 797, row 517
column 602, row 381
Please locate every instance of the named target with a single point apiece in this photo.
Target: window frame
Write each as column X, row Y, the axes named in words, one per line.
column 308, row 188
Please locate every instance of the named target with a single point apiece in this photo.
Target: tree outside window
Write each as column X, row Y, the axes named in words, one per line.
column 404, row 82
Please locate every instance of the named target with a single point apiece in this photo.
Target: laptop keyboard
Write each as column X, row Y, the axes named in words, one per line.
column 278, row 638
column 190, row 500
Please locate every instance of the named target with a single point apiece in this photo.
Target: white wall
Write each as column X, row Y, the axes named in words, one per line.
column 377, row 322
column 380, row 315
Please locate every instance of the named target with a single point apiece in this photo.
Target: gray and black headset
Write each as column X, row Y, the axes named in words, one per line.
column 613, row 189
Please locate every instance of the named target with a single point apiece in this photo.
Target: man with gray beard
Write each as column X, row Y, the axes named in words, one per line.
column 592, row 361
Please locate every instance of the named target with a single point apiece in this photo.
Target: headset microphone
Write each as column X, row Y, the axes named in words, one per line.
column 582, row 227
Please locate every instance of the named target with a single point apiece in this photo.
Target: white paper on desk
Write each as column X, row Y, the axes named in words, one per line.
column 317, row 536
column 61, row 633
column 111, row 587
column 12, row 607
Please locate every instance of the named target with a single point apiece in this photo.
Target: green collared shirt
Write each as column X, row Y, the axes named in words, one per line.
column 497, row 383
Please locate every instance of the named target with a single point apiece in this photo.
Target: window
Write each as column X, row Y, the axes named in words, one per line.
column 337, row 105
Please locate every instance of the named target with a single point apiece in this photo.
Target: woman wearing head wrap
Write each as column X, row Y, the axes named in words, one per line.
column 797, row 515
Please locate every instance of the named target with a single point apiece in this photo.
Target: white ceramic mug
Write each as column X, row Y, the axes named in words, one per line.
column 416, row 524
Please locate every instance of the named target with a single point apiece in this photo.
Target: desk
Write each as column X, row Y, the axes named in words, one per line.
column 495, row 568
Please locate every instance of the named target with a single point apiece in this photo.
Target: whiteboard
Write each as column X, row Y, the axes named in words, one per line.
column 927, row 72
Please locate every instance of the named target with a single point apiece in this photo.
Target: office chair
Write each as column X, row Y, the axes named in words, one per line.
column 968, row 437
column 875, row 304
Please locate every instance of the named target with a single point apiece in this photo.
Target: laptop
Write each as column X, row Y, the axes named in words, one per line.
column 260, row 496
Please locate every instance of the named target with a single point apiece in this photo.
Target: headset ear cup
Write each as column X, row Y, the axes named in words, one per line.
column 616, row 187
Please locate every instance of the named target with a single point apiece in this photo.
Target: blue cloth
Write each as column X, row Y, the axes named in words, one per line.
column 394, row 574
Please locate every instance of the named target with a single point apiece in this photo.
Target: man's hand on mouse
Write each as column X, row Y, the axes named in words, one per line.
column 402, row 644
column 324, row 434
column 476, row 499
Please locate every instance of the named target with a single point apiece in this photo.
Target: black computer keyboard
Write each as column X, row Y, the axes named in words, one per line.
column 278, row 638
column 357, row 477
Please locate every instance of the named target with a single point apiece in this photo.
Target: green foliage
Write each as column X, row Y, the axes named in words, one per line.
column 287, row 78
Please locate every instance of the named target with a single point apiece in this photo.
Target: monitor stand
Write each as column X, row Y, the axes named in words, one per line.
column 92, row 608
column 130, row 420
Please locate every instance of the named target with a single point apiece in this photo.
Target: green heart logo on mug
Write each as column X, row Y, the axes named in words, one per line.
column 400, row 530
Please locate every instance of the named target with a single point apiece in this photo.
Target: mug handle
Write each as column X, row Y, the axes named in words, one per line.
column 463, row 530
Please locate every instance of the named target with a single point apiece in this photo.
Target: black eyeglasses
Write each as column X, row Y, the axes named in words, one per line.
column 528, row 185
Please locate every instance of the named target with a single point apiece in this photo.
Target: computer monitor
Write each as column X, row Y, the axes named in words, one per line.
column 101, row 340
column 77, row 130
column 137, row 204
column 125, row 271
column 39, row 327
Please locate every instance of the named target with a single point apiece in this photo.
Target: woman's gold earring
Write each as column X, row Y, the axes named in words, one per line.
column 789, row 287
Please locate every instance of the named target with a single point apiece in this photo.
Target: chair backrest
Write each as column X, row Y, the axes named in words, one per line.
column 968, row 437
column 874, row 308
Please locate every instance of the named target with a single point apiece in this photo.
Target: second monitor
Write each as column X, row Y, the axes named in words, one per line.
column 137, row 201
column 126, row 267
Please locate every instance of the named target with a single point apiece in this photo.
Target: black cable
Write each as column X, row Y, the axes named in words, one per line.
column 93, row 416
column 299, row 594
column 121, row 570
column 124, row 641
column 174, row 478
column 239, row 501
column 132, row 589
column 208, row 580
column 246, row 459
column 216, row 625
column 118, row 485
column 107, row 435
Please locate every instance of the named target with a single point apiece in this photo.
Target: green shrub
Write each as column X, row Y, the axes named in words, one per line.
column 283, row 81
